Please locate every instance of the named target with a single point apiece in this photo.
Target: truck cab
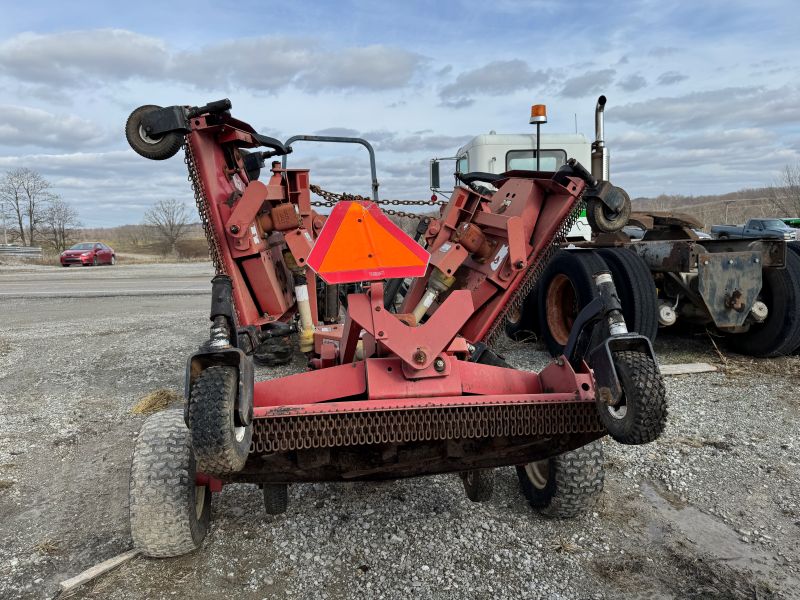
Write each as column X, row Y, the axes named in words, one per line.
column 497, row 153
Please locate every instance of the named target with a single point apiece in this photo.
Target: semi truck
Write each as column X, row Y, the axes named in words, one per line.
column 746, row 289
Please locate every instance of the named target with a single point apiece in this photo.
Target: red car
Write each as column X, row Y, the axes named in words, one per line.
column 88, row 253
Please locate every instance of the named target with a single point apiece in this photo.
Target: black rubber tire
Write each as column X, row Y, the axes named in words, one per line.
column 64, row 265
column 113, row 260
column 274, row 352
column 601, row 220
column 211, row 418
column 276, row 498
column 163, row 497
column 578, row 268
column 568, row 485
column 94, row 261
column 525, row 325
column 158, row 148
column 478, row 484
column 641, row 415
column 779, row 334
column 635, row 288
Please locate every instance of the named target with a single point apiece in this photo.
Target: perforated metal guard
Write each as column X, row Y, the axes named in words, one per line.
column 282, row 434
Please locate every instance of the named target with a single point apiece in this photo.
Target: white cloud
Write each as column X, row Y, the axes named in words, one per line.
column 22, row 126
column 74, row 59
column 591, row 82
column 77, row 58
column 492, row 79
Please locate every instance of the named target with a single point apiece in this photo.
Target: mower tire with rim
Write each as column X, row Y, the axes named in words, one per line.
column 566, row 286
column 478, row 484
column 220, row 443
column 604, row 220
column 153, row 147
column 567, row 485
column 276, row 498
column 635, row 288
column 169, row 513
column 779, row 334
column 641, row 414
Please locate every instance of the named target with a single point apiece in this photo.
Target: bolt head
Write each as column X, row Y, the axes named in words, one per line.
column 234, row 229
column 419, row 356
column 439, row 364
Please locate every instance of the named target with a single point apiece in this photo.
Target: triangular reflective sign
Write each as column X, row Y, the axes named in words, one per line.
column 360, row 243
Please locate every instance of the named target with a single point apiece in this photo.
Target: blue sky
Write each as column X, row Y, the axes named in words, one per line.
column 704, row 97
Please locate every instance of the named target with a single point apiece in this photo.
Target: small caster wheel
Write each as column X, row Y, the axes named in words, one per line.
column 478, row 484
column 154, row 147
column 602, row 219
column 276, row 498
column 641, row 414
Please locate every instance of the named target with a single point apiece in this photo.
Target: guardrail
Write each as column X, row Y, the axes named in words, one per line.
column 21, row 251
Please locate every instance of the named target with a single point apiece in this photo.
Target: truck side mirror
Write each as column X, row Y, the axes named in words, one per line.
column 435, row 180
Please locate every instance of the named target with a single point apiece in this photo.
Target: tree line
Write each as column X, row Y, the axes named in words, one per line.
column 33, row 214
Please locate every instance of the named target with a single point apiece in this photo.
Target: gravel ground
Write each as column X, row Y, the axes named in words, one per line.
column 711, row 510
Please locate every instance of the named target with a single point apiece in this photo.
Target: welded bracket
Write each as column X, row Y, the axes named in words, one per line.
column 729, row 284
column 416, row 346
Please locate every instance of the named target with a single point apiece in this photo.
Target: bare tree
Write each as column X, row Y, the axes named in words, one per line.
column 25, row 195
column 785, row 195
column 59, row 222
column 170, row 220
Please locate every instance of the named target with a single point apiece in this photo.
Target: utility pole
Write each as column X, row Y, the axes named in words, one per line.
column 727, row 204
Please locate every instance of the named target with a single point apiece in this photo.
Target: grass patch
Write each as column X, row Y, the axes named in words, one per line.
column 154, row 402
column 47, row 548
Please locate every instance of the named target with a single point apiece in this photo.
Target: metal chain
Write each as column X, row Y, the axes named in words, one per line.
column 332, row 198
column 534, row 272
column 202, row 207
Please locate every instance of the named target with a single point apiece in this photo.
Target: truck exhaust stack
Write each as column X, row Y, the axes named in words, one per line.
column 599, row 150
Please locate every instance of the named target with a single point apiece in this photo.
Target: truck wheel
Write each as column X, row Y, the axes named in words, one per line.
column 566, row 286
column 794, row 247
column 636, row 290
column 276, row 498
column 603, row 220
column 220, row 446
column 155, row 147
column 169, row 514
column 478, row 484
column 779, row 334
column 274, row 352
column 566, row 485
column 641, row 414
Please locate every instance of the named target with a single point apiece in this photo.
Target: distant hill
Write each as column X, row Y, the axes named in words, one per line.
column 712, row 210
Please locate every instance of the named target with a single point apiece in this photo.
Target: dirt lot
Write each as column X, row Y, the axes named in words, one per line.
column 712, row 510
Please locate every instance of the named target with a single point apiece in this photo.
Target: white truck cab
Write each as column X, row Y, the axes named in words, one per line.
column 500, row 152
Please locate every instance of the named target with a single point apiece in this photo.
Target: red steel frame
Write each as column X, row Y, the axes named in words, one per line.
column 376, row 360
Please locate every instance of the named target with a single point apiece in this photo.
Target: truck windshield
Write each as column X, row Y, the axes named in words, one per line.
column 525, row 160
column 773, row 224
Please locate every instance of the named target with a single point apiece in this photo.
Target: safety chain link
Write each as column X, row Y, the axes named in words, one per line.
column 532, row 275
column 202, row 207
column 332, row 198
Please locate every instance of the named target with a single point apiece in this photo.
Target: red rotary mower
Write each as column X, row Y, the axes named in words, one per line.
column 395, row 388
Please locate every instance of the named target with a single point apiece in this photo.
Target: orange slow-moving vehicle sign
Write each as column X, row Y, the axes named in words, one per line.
column 360, row 243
